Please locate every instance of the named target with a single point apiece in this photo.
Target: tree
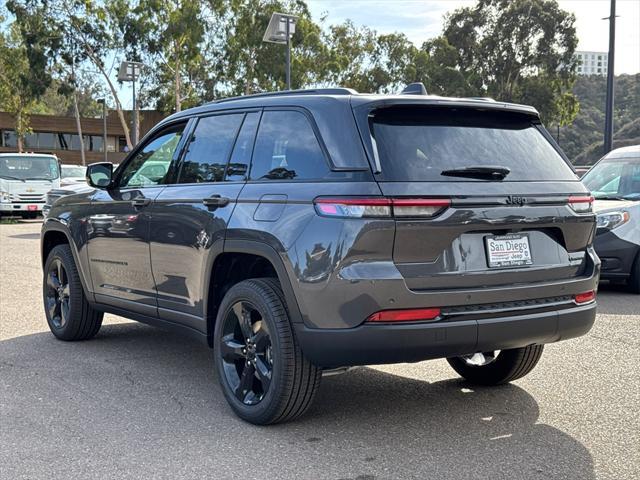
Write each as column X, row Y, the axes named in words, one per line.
column 171, row 33
column 70, row 34
column 250, row 65
column 23, row 74
column 515, row 50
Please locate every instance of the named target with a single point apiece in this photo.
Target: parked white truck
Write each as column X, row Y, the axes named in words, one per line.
column 25, row 179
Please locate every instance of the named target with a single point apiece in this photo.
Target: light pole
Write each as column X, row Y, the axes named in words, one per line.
column 280, row 30
column 608, row 119
column 128, row 72
column 103, row 101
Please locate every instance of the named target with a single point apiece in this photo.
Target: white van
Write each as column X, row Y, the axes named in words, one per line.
column 25, row 179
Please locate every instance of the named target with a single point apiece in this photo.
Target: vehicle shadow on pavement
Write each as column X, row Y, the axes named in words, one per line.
column 141, row 402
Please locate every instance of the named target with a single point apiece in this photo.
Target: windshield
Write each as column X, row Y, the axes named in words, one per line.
column 419, row 144
column 615, row 178
column 28, row 168
column 73, row 171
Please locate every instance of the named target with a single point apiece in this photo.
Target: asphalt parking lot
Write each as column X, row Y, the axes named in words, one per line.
column 139, row 402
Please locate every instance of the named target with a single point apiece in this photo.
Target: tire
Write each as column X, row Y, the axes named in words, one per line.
column 634, row 279
column 69, row 315
column 508, row 365
column 281, row 383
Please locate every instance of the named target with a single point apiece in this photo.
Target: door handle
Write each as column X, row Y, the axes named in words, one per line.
column 216, row 201
column 140, row 202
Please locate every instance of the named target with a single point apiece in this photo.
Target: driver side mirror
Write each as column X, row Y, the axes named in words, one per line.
column 100, row 175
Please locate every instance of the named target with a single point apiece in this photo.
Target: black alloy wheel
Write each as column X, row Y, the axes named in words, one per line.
column 69, row 314
column 57, row 293
column 263, row 373
column 246, row 351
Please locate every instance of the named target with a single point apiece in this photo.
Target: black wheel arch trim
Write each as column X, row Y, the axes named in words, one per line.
column 55, row 225
column 267, row 251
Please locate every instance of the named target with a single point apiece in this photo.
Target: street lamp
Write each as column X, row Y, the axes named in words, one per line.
column 103, row 102
column 280, row 29
column 128, row 72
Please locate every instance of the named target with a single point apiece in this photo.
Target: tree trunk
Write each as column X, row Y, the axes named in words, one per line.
column 177, row 86
column 19, row 131
column 79, row 127
column 115, row 96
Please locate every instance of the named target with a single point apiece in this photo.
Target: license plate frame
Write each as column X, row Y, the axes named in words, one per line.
column 507, row 251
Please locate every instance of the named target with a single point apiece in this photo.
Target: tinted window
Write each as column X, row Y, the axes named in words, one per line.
column 209, row 149
column 418, row 144
column 150, row 165
column 287, row 148
column 241, row 157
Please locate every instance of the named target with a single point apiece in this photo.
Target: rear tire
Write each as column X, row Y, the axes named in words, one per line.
column 509, row 365
column 69, row 315
column 263, row 374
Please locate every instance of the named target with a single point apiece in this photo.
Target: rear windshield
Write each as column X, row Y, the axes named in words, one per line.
column 418, row 144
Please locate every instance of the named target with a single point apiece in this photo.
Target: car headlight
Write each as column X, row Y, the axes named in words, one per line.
column 611, row 220
column 4, row 197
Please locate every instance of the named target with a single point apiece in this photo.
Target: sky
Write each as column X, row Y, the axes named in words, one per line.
column 421, row 20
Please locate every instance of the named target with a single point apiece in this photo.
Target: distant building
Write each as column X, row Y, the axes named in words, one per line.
column 592, row 63
column 59, row 135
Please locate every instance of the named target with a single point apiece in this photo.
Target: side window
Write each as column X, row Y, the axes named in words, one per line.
column 151, row 164
column 241, row 156
column 287, row 148
column 209, row 148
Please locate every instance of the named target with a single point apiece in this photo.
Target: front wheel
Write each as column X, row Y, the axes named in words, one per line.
column 263, row 374
column 497, row 367
column 69, row 314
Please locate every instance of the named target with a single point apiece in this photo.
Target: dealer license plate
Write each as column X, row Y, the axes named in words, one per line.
column 508, row 250
column 32, row 208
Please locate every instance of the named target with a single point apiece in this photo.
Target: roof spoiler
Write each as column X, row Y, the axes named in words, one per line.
column 416, row 88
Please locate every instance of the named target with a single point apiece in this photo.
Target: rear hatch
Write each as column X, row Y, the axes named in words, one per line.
column 480, row 196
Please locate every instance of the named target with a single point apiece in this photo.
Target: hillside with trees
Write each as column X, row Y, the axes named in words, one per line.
column 582, row 141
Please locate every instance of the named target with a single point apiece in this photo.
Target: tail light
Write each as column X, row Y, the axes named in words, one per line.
column 412, row 315
column 582, row 204
column 362, row 207
column 585, row 297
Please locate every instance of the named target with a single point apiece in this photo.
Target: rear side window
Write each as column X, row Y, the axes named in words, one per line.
column 287, row 148
column 417, row 144
column 209, row 148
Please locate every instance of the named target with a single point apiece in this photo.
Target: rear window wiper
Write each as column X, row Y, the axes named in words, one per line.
column 492, row 172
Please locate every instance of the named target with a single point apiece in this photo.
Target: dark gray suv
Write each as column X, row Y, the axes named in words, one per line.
column 315, row 230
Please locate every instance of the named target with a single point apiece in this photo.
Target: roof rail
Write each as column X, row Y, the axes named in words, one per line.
column 314, row 91
column 484, row 99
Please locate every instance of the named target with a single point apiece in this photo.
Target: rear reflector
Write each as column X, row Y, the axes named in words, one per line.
column 360, row 207
column 585, row 297
column 582, row 204
column 413, row 315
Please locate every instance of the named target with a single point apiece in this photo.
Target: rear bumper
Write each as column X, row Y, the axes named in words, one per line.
column 617, row 255
column 377, row 344
column 20, row 207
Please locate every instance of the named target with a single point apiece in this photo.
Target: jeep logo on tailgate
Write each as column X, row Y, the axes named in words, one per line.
column 516, row 200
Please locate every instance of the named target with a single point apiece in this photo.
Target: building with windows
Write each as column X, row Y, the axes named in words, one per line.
column 59, row 135
column 592, row 63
